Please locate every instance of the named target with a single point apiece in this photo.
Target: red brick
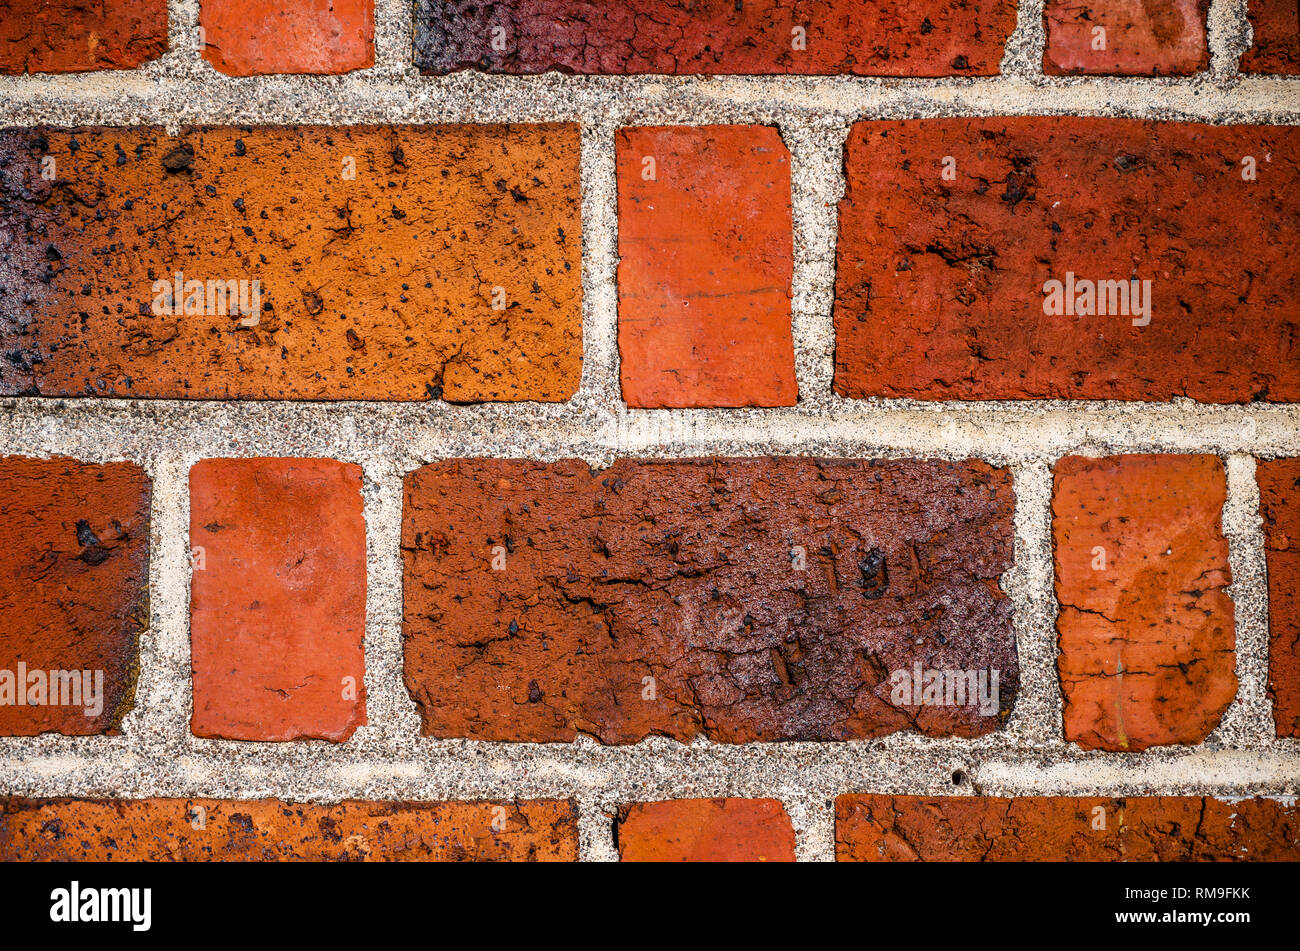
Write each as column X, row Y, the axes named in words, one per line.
column 278, row 599
column 73, row 36
column 379, row 287
column 1138, row 38
column 74, row 593
column 940, row 286
column 882, row 38
column 688, row 572
column 1276, row 46
column 705, row 830
column 254, row 37
column 705, row 245
column 1279, row 505
column 1146, row 629
column 1048, row 829
column 269, row 830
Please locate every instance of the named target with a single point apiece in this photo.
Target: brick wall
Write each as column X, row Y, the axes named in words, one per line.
column 769, row 430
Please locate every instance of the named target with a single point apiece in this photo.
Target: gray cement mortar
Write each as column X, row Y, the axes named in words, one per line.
column 157, row 755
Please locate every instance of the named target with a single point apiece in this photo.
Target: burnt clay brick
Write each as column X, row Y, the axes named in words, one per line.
column 1138, row 38
column 1146, row 628
column 939, row 289
column 705, row 259
column 74, row 592
column 547, row 600
column 881, row 38
column 255, row 37
column 705, row 830
column 1276, row 45
column 1279, row 506
column 73, row 36
column 278, row 599
column 1050, row 829
column 384, row 286
column 269, row 830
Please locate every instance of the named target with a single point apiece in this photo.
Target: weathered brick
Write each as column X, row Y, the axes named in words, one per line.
column 269, row 830
column 1146, row 629
column 1049, row 829
column 940, row 286
column 278, row 598
column 882, row 38
column 1126, row 37
column 1279, row 505
column 254, row 37
column 73, row 36
column 381, row 286
column 705, row 246
column 739, row 599
column 705, row 830
column 74, row 593
column 1276, row 46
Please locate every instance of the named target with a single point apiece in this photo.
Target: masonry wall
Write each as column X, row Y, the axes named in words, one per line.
column 629, row 407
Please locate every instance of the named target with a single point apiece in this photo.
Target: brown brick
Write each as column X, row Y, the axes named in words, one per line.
column 379, row 287
column 1276, row 46
column 268, row 830
column 705, row 246
column 739, row 599
column 1136, row 38
column 881, row 38
column 74, row 593
column 73, row 36
column 277, row 599
column 254, row 37
column 1146, row 629
column 1279, row 504
column 1045, row 829
column 705, row 830
column 940, row 287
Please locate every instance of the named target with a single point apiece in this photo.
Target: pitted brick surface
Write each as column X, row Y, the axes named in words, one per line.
column 73, row 36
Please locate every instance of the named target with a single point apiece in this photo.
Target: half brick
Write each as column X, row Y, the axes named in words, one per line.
column 705, row 830
column 72, row 36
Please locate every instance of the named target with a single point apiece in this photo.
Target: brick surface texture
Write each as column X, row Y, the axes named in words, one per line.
column 1276, row 47
column 1136, row 38
column 705, row 830
column 1146, row 628
column 1279, row 491
column 884, row 38
column 250, row 37
column 268, row 830
column 664, row 597
column 1043, row 829
column 939, row 291
column 73, row 36
column 278, row 598
column 704, row 267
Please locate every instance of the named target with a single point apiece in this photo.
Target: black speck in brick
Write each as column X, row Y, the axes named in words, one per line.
column 534, row 692
column 875, row 575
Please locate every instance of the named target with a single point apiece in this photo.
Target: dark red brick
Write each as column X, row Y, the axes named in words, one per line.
column 1279, row 503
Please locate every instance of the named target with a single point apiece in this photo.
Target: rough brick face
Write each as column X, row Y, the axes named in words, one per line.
column 1276, row 46
column 1138, row 38
column 942, row 287
column 705, row 245
column 881, row 38
column 268, row 830
column 1146, row 629
column 705, row 830
column 73, row 36
column 278, row 598
column 1279, row 497
column 252, row 37
column 74, row 577
column 1045, row 829
column 761, row 599
column 448, row 266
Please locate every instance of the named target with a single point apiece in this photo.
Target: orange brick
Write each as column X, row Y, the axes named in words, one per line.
column 1136, row 38
column 252, row 37
column 269, row 830
column 705, row 247
column 381, row 286
column 73, row 36
column 278, row 598
column 1146, row 629
column 705, row 830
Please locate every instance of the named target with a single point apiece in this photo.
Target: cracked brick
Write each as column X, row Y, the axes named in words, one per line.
column 1126, row 37
column 737, row 599
column 705, row 830
column 256, row 37
column 1279, row 505
column 72, row 36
